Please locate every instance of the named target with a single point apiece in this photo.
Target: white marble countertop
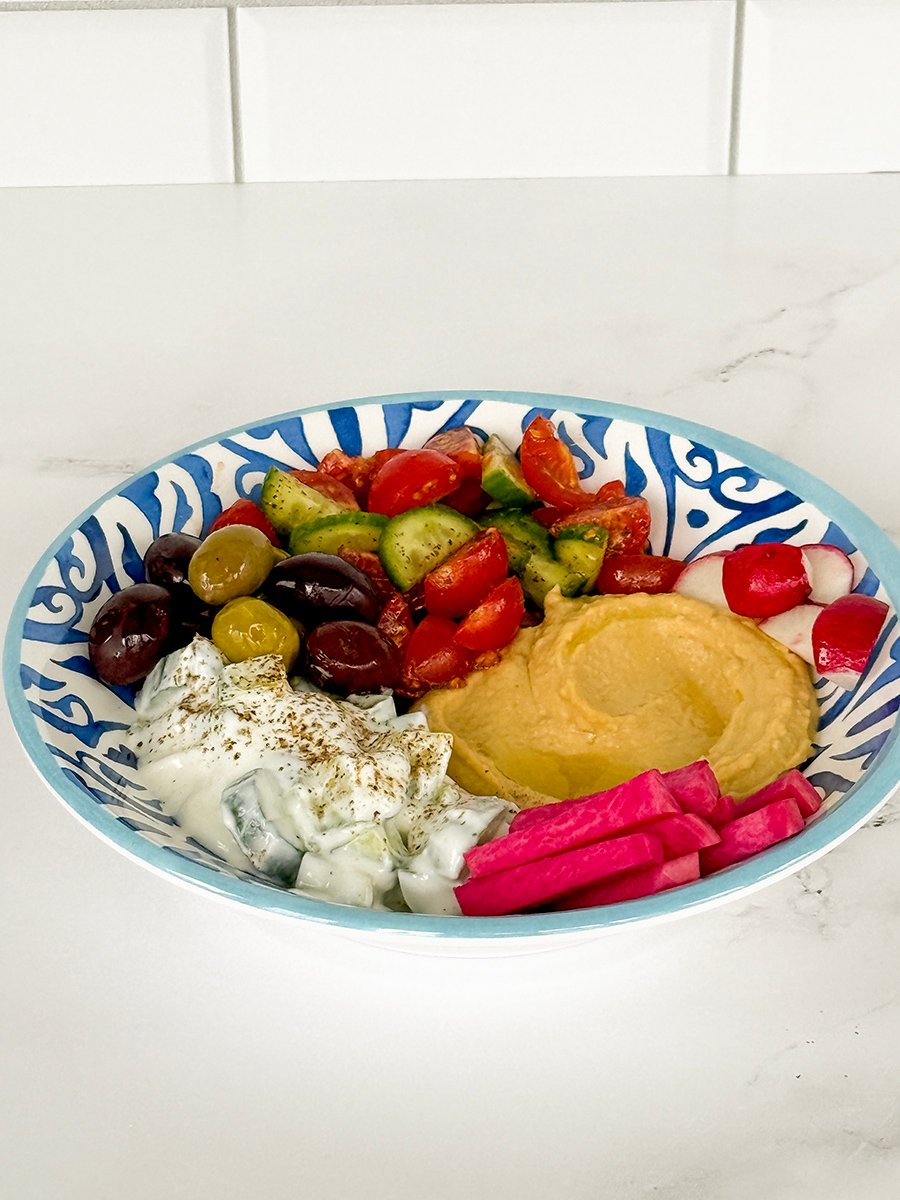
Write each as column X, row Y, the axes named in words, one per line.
column 155, row 1043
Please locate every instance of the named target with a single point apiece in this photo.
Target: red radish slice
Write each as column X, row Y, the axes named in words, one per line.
column 702, row 580
column 830, row 572
column 642, row 799
column 752, row 833
column 794, row 629
column 695, row 788
column 792, row 785
column 536, row 883
column 682, row 835
column 844, row 636
column 643, row 882
column 764, row 579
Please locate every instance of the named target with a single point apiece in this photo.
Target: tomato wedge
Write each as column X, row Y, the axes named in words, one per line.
column 396, row 622
column 464, row 447
column 410, row 478
column 328, row 485
column 354, row 470
column 433, row 657
column 495, row 622
column 245, row 512
column 627, row 521
column 465, row 578
column 549, row 467
column 622, row 574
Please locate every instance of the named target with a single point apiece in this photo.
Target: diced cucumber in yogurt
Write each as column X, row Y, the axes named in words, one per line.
column 242, row 812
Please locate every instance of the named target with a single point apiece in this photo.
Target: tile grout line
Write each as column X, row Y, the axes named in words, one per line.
column 737, row 75
column 234, row 81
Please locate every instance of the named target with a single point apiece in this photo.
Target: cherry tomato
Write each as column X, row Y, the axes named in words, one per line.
column 613, row 490
column 328, row 485
column 245, row 512
column 548, row 516
column 464, row 447
column 433, row 657
column 355, row 471
column 549, row 467
column 411, row 478
column 396, row 622
column 495, row 622
column 622, row 574
column 465, row 578
column 626, row 521
column 369, row 563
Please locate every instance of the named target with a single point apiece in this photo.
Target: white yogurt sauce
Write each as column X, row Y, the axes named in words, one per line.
column 341, row 800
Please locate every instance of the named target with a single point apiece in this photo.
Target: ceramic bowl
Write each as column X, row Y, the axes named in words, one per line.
column 706, row 491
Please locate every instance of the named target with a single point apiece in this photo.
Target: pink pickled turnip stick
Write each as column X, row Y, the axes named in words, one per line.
column 644, row 882
column 748, row 835
column 567, row 826
column 536, row 883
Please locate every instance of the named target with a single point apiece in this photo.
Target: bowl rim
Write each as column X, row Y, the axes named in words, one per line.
column 855, row 808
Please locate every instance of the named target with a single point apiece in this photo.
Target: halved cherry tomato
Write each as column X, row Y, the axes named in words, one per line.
column 328, row 486
column 464, row 447
column 370, row 564
column 465, row 578
column 622, row 574
column 245, row 512
column 548, row 466
column 412, row 478
column 495, row 622
column 548, row 516
column 433, row 657
column 626, row 521
column 613, row 490
column 355, row 471
column 396, row 622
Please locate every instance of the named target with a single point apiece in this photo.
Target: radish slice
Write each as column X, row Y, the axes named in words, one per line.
column 764, row 579
column 702, row 580
column 844, row 636
column 830, row 572
column 794, row 629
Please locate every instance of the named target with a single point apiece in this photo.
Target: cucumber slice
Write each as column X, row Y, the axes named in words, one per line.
column 356, row 530
column 523, row 535
column 417, row 541
column 501, row 475
column 288, row 502
column 581, row 548
column 541, row 575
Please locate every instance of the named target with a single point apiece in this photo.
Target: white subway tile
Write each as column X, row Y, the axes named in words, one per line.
column 481, row 90
column 114, row 97
column 821, row 86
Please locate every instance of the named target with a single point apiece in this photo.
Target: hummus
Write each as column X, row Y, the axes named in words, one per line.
column 609, row 686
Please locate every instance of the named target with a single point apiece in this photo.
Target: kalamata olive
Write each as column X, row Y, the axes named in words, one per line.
column 230, row 562
column 166, row 561
column 351, row 657
column 128, row 637
column 247, row 627
column 321, row 587
column 189, row 617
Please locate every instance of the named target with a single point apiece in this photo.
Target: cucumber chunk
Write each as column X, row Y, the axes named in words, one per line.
column 288, row 502
column 523, row 535
column 540, row 575
column 581, row 548
column 415, row 542
column 501, row 475
column 355, row 530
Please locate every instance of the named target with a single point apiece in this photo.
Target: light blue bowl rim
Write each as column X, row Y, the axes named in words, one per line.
column 854, row 808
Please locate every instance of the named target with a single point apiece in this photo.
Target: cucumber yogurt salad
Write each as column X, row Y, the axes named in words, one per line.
column 342, row 800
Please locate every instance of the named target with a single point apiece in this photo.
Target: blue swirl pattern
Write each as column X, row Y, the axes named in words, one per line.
column 701, row 499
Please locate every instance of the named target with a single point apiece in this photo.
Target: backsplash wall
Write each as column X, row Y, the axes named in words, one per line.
column 122, row 93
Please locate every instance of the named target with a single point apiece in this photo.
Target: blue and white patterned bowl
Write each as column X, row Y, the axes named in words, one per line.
column 706, row 491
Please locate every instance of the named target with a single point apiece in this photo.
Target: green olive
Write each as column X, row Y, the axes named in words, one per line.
column 232, row 561
column 247, row 627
